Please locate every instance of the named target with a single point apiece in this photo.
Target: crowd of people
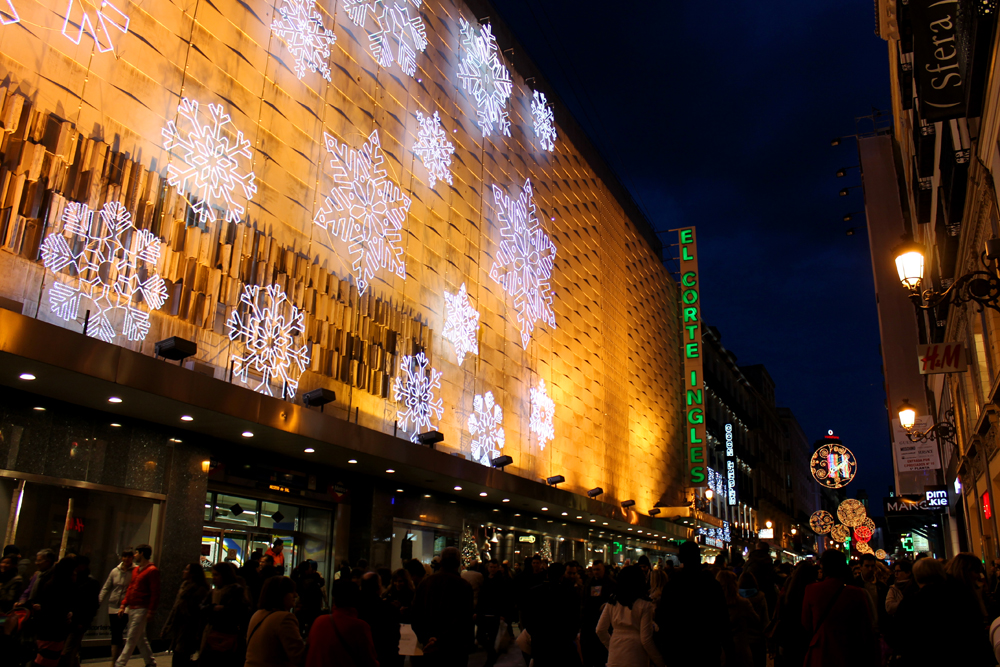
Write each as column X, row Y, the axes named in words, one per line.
column 744, row 613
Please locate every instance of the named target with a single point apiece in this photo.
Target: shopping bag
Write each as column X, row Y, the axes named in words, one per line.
column 523, row 642
column 408, row 644
column 503, row 638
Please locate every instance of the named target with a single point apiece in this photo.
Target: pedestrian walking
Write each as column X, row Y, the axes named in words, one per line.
column 45, row 560
column 832, row 610
column 340, row 638
column 277, row 553
column 744, row 623
column 183, row 627
column 11, row 583
column 114, row 590
column 788, row 640
column 83, row 607
column 443, row 614
column 382, row 618
column 877, row 590
column 400, row 593
column 552, row 620
column 310, row 587
column 629, row 614
column 51, row 606
column 596, row 593
column 273, row 636
column 140, row 601
column 761, row 566
column 225, row 611
column 494, row 609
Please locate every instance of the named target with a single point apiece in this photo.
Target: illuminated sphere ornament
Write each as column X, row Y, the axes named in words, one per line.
column 881, row 554
column 840, row 533
column 852, row 513
column 869, row 524
column 821, row 522
column 833, row 465
column 863, row 547
column 862, row 534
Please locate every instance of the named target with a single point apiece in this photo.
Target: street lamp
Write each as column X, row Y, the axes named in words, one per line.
column 907, row 415
column 944, row 431
column 983, row 287
column 709, row 494
column 768, row 524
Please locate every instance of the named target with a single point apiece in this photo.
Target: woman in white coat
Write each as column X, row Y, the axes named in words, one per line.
column 629, row 614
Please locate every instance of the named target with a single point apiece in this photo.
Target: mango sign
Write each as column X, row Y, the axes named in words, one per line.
column 694, row 381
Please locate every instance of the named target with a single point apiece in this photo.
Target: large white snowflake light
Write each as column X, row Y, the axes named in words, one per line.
column 267, row 328
column 544, row 121
column 209, row 165
column 461, row 324
column 115, row 267
column 434, row 148
column 485, row 76
column 395, row 36
column 301, row 28
column 523, row 265
column 414, row 387
column 98, row 24
column 365, row 209
column 543, row 410
column 486, row 427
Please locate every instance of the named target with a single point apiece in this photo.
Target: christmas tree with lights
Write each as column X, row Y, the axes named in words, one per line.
column 470, row 553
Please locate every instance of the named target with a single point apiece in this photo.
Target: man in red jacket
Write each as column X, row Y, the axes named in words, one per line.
column 139, row 602
column 838, row 619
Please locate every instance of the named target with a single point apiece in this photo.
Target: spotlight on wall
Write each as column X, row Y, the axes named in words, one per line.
column 317, row 398
column 654, row 512
column 176, row 348
column 555, row 480
column 501, row 462
column 628, row 503
column 430, row 438
column 596, row 491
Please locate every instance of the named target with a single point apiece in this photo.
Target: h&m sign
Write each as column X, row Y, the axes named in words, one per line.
column 942, row 358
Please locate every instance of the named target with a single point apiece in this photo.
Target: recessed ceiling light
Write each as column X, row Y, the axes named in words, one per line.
column 630, row 529
column 545, row 509
column 40, row 409
column 399, row 491
column 187, row 418
column 605, row 523
column 482, row 494
column 352, row 460
column 593, row 521
column 114, row 399
column 564, row 513
column 26, row 376
column 495, row 509
column 116, row 425
column 506, row 500
column 427, row 495
column 452, row 502
column 247, row 434
column 171, row 439
column 390, row 470
column 515, row 515
column 309, row 450
column 458, row 488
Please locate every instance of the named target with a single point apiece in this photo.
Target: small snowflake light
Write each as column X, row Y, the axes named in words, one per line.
column 267, row 328
column 544, row 121
column 482, row 73
column 486, row 427
column 116, row 269
column 461, row 324
column 852, row 513
column 209, row 165
column 821, row 522
column 365, row 209
column 395, row 36
column 543, row 409
column 99, row 25
column 414, row 387
column 524, row 262
column 434, row 149
column 862, row 534
column 301, row 28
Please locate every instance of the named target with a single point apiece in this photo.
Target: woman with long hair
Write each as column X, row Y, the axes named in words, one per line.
column 787, row 638
column 744, row 622
column 273, row 636
column 225, row 611
column 629, row 613
column 183, row 627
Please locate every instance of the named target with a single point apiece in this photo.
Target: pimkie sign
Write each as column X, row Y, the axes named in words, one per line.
column 694, row 381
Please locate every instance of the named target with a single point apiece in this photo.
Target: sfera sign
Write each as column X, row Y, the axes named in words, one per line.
column 694, row 382
column 938, row 63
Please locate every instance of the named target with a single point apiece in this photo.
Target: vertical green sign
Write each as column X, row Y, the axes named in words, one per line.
column 694, row 383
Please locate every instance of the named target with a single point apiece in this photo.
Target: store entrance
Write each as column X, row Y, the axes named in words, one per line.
column 234, row 545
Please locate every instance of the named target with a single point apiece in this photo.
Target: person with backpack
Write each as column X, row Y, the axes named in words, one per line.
column 834, row 610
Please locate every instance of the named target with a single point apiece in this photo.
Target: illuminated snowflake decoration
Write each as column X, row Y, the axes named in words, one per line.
column 523, row 265
column 461, row 324
column 434, row 149
column 483, row 74
column 301, row 28
column 267, row 327
column 115, row 266
column 365, row 209
column 210, row 162
column 414, row 387
column 543, row 410
column 9, row 15
column 486, row 427
column 100, row 24
column 395, row 36
column 544, row 121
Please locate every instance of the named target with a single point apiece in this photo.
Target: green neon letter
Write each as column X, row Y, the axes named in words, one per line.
column 697, row 476
column 687, row 235
column 689, row 279
column 691, row 349
column 695, row 396
column 690, row 296
column 695, row 440
column 690, row 314
column 697, row 454
column 692, row 329
column 696, row 416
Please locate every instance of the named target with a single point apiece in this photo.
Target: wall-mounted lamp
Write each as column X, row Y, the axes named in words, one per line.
column 555, row 480
column 206, row 466
column 628, row 503
column 596, row 491
column 654, row 511
column 983, row 287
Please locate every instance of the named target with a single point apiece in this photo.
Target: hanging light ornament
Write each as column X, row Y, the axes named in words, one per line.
column 863, row 547
column 862, row 534
column 840, row 533
column 869, row 524
column 833, row 465
column 881, row 554
column 852, row 513
column 821, row 522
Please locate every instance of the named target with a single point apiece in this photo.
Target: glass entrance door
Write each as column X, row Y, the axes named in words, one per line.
column 235, row 545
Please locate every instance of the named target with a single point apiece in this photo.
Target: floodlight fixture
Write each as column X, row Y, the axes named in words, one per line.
column 555, row 480
column 501, row 462
column 430, row 438
column 176, row 348
column 628, row 503
column 596, row 491
column 317, row 398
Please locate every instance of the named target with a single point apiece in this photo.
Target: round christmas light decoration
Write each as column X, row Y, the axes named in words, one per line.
column 863, row 547
column 852, row 513
column 486, row 427
column 414, row 388
column 482, row 73
column 115, row 270
column 881, row 554
column 868, row 523
column 840, row 533
column 862, row 534
column 268, row 326
column 821, row 522
column 833, row 465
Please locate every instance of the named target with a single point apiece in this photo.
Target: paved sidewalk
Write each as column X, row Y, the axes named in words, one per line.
column 512, row 658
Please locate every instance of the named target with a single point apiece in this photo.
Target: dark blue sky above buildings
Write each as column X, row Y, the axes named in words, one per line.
column 720, row 115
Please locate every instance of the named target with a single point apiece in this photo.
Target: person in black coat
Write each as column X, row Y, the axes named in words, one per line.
column 596, row 592
column 494, row 609
column 84, row 605
column 383, row 619
column 552, row 620
column 443, row 614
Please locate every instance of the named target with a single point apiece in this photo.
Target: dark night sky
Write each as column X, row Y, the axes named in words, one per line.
column 720, row 115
